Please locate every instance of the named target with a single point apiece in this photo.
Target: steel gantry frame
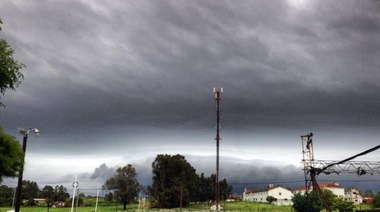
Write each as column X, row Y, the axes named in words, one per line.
column 351, row 167
column 312, row 168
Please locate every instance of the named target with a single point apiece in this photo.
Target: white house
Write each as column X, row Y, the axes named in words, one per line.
column 334, row 187
column 283, row 195
column 40, row 201
column 353, row 195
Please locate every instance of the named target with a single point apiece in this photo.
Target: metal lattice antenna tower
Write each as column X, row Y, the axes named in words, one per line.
column 217, row 92
column 307, row 156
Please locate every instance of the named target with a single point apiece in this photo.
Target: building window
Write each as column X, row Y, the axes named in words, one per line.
column 279, row 193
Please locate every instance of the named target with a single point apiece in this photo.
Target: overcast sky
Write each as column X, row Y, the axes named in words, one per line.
column 114, row 83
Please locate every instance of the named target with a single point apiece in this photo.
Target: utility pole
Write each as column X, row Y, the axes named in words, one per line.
column 217, row 92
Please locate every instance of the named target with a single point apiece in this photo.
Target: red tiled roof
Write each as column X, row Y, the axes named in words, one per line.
column 323, row 185
column 301, row 188
column 330, row 185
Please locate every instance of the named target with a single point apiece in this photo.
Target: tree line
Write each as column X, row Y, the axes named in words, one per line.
column 312, row 202
column 31, row 191
column 175, row 183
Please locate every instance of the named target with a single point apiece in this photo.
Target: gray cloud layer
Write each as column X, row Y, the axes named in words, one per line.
column 144, row 62
column 124, row 77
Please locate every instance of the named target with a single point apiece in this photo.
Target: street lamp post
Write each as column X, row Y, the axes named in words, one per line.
column 19, row 184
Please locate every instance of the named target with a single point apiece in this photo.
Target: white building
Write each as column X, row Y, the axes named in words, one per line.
column 283, row 195
column 353, row 195
column 334, row 187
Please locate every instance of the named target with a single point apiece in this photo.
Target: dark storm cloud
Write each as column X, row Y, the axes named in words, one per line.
column 103, row 172
column 129, row 76
column 252, row 173
column 163, row 60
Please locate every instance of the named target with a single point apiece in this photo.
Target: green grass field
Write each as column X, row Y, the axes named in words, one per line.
column 230, row 206
column 237, row 206
column 226, row 207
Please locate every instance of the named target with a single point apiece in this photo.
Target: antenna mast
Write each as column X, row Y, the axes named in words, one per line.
column 217, row 92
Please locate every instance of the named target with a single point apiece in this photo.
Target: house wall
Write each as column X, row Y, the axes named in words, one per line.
column 283, row 196
column 337, row 191
column 354, row 196
column 256, row 196
column 39, row 201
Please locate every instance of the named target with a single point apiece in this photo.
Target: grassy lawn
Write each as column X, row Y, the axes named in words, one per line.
column 231, row 206
column 238, row 206
column 249, row 206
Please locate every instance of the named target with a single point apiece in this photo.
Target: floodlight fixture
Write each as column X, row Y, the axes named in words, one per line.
column 36, row 132
column 24, row 132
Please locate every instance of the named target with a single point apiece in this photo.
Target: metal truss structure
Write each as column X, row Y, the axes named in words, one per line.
column 351, row 167
column 312, row 168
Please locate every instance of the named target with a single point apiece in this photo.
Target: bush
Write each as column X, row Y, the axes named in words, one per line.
column 271, row 199
column 309, row 202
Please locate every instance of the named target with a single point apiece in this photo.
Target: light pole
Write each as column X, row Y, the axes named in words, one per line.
column 19, row 184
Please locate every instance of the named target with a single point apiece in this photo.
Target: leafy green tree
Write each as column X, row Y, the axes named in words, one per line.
column 343, row 205
column 225, row 189
column 47, row 192
column 206, row 188
column 10, row 75
column 174, row 181
column 206, row 191
column 369, row 193
column 271, row 199
column 330, row 197
column 309, row 202
column 376, row 200
column 11, row 155
column 60, row 194
column 336, row 203
column 6, row 196
column 78, row 200
column 125, row 184
column 30, row 191
column 108, row 197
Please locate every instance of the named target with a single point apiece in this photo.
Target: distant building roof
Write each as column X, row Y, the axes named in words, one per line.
column 330, row 185
column 323, row 185
column 270, row 187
